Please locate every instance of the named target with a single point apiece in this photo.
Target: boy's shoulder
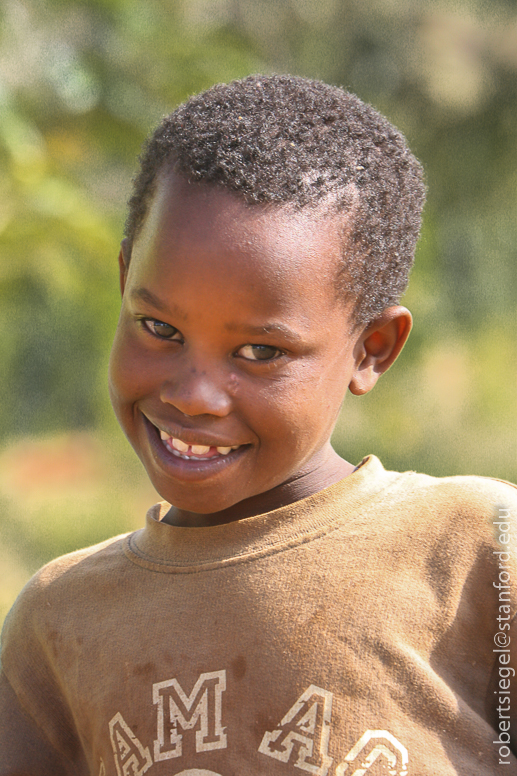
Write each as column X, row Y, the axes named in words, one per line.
column 459, row 490
column 455, row 492
column 82, row 563
column 64, row 581
column 420, row 505
column 460, row 498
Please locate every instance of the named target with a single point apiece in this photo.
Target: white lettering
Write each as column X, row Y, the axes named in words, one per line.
column 202, row 709
column 198, row 772
column 383, row 744
column 131, row 759
column 303, row 731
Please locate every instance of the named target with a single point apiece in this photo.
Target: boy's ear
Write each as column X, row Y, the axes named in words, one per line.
column 123, row 264
column 378, row 346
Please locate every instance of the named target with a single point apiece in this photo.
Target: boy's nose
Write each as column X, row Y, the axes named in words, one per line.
column 197, row 391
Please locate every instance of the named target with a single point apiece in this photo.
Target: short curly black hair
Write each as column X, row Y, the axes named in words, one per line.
column 282, row 139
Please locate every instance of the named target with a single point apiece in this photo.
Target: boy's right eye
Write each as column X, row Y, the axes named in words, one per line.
column 161, row 329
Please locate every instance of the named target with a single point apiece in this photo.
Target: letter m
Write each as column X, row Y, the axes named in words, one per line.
column 200, row 711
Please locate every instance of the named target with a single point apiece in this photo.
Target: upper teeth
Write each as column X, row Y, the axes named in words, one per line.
column 182, row 447
column 196, row 449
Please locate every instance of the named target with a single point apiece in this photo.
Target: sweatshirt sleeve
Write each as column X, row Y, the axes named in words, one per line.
column 38, row 735
column 23, row 747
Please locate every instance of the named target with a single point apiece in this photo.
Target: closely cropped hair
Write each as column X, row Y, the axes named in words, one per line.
column 281, row 139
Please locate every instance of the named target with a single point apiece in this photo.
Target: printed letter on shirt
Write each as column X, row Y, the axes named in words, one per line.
column 131, row 758
column 202, row 709
column 372, row 745
column 303, row 733
column 198, row 772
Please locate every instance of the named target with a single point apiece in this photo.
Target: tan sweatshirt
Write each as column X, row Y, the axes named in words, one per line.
column 349, row 633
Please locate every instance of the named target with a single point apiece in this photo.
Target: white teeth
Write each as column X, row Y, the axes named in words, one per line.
column 180, row 455
column 198, row 449
column 193, row 450
column 179, row 445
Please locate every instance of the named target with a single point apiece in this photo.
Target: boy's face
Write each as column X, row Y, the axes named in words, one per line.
column 232, row 354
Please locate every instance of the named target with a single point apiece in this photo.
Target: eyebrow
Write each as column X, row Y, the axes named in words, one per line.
column 144, row 295
column 268, row 328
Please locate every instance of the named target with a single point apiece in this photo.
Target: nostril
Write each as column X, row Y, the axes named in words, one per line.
column 197, row 393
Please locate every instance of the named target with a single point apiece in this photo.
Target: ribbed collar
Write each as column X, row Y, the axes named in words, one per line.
column 174, row 549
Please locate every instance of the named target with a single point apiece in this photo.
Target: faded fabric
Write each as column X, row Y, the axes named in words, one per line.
column 349, row 633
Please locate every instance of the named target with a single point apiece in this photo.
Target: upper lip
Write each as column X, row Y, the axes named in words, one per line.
column 192, row 436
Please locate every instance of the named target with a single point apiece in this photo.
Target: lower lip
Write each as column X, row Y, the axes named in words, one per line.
column 191, row 468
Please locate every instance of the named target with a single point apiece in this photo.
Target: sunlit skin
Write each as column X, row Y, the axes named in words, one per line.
column 231, row 335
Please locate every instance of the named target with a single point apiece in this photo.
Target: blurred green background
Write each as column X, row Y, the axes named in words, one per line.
column 81, row 85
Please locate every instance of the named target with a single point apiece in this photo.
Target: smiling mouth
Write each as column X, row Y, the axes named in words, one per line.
column 193, row 452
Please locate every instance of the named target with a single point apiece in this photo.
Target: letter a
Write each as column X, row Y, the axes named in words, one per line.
column 131, row 759
column 304, row 732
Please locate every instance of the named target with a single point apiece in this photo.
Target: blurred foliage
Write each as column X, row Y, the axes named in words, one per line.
column 81, row 85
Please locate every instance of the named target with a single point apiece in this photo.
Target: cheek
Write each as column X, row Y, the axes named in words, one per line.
column 313, row 402
column 128, row 375
column 296, row 409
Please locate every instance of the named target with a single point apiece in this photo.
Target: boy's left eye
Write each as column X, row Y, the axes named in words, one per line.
column 161, row 329
column 259, row 352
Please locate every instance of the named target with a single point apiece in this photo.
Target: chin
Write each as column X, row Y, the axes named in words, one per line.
column 195, row 502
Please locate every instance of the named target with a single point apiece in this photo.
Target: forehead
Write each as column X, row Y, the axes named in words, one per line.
column 194, row 220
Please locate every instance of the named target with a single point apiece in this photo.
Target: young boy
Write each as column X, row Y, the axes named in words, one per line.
column 284, row 612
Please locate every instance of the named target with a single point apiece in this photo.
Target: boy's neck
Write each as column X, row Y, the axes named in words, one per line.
column 325, row 469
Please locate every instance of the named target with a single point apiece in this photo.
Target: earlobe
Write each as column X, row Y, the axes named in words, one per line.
column 378, row 347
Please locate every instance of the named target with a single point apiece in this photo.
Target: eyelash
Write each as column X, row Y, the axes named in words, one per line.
column 146, row 324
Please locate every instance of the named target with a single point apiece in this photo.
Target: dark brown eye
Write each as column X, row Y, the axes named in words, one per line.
column 161, row 329
column 259, row 352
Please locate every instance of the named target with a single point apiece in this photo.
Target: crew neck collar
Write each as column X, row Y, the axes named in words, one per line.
column 174, row 549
